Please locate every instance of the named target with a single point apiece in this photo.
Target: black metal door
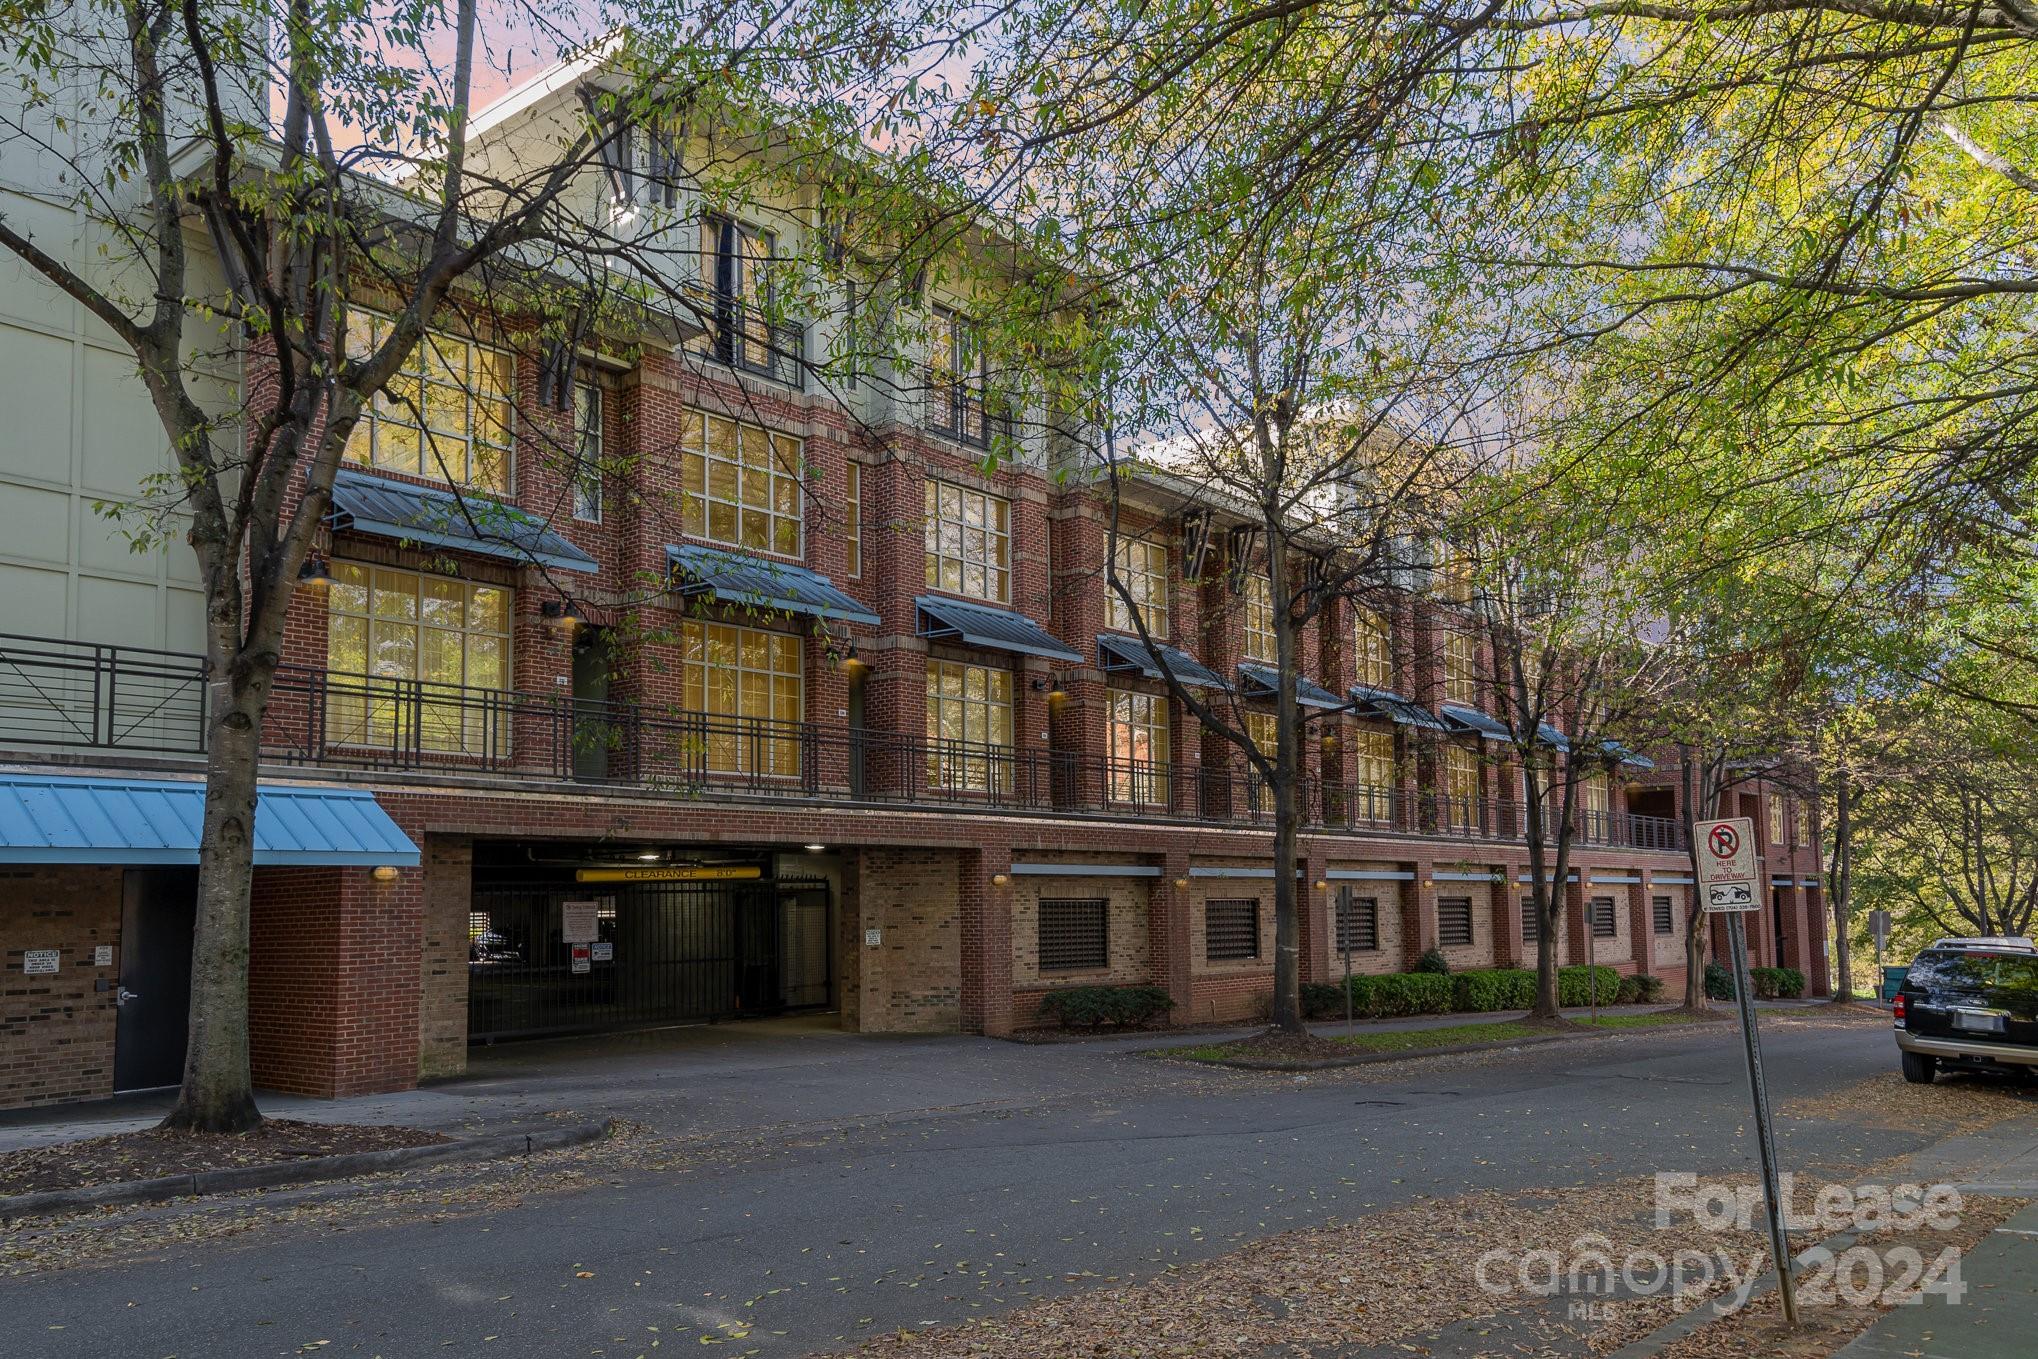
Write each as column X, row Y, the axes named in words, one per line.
column 757, row 950
column 158, row 910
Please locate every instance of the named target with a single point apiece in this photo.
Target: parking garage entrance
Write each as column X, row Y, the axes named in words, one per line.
column 549, row 954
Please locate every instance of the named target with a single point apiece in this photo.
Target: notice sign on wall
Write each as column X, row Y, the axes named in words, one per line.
column 577, row 922
column 582, row 957
column 41, row 962
column 603, row 953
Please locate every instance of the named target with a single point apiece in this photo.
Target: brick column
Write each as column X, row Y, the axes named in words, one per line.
column 1418, row 916
column 1508, row 907
column 1641, row 929
column 448, row 899
column 986, row 913
column 1577, row 930
column 1169, row 941
column 1314, row 926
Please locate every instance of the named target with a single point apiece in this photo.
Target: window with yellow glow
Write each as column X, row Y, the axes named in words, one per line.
column 1259, row 619
column 852, row 519
column 1264, row 731
column 445, row 414
column 1775, row 819
column 739, row 485
column 969, row 726
column 1372, row 649
column 1373, row 758
column 1142, row 566
column 1461, row 785
column 1139, row 747
column 1461, row 665
column 431, row 654
column 749, row 686
column 969, row 542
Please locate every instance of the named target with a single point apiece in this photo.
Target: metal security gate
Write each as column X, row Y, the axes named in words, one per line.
column 663, row 953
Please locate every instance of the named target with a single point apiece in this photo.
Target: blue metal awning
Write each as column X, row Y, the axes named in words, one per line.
column 1117, row 652
column 755, row 582
column 1625, row 756
column 387, row 508
column 1468, row 719
column 48, row 819
column 1403, row 712
column 951, row 620
column 1263, row 681
column 1551, row 736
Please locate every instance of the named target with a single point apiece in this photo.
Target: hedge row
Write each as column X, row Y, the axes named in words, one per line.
column 1479, row 991
column 1097, row 1007
column 1771, row 983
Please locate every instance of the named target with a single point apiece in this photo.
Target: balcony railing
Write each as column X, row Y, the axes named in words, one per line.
column 69, row 695
column 958, row 408
column 743, row 336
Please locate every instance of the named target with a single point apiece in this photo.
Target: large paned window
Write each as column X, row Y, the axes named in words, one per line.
column 1139, row 748
column 969, row 542
column 1264, row 731
column 446, row 414
column 587, row 453
column 1373, row 758
column 1372, row 649
column 1142, row 566
column 749, row 687
column 435, row 655
column 1801, row 824
column 739, row 484
column 737, row 262
column 1775, row 819
column 958, row 379
column 1461, row 786
column 852, row 520
column 1461, row 664
column 1259, row 618
column 969, row 727
column 1592, row 804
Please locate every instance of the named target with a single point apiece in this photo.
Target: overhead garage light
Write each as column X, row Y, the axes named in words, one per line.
column 816, row 849
column 650, row 857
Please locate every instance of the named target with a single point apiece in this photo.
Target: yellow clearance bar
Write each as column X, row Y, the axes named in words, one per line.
column 687, row 873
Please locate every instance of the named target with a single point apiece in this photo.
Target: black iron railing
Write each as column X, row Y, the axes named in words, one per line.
column 959, row 408
column 71, row 695
column 744, row 336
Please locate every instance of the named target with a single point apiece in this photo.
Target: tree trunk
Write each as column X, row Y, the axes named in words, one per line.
column 1843, row 886
column 1695, row 998
column 1287, row 1015
column 218, row 1093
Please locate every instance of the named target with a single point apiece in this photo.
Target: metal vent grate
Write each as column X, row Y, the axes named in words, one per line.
column 1074, row 935
column 1666, row 922
column 1604, row 924
column 1531, row 928
column 1231, row 930
column 1454, row 921
column 1358, row 922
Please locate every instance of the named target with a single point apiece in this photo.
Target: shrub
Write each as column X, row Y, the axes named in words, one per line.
column 1719, row 983
column 1579, row 985
column 1493, row 988
column 1096, row 1007
column 1772, row 983
column 1640, row 990
column 1325, row 1000
column 1789, row 983
column 1401, row 993
column 1432, row 961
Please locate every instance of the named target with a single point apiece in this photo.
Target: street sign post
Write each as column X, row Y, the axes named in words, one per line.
column 1878, row 926
column 1729, row 884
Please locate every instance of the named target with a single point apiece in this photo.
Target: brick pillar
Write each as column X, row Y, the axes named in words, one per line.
column 1418, row 915
column 895, row 712
column 1314, row 926
column 1641, row 929
column 986, row 913
column 1508, row 907
column 1169, row 941
column 1577, row 930
column 851, row 966
column 448, row 898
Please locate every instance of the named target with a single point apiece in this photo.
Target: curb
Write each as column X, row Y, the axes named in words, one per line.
column 1411, row 1054
column 238, row 1178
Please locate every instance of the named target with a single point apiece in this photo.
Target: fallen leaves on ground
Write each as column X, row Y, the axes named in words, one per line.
column 1969, row 1103
column 152, row 1153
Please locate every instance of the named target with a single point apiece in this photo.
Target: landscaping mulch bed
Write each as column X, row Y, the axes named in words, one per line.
column 153, row 1153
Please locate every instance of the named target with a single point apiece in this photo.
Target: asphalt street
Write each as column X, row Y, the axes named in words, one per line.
column 897, row 1184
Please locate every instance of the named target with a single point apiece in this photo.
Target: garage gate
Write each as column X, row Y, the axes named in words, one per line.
column 663, row 953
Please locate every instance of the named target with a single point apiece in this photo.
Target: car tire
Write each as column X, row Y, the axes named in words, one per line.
column 1920, row 1067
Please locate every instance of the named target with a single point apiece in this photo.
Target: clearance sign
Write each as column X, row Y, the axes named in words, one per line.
column 671, row 873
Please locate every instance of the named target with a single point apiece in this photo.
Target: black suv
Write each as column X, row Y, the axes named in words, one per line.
column 1971, row 1004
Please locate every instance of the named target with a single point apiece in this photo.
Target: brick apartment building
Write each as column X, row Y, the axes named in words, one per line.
column 872, row 739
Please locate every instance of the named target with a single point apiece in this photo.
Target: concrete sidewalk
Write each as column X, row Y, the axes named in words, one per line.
column 718, row 1078
column 1993, row 1319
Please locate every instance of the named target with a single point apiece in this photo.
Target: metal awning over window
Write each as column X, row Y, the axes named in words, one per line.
column 756, row 582
column 386, row 508
column 1403, row 712
column 1117, row 653
column 1628, row 758
column 1263, row 681
column 1463, row 718
column 58, row 820
column 951, row 620
column 1552, row 737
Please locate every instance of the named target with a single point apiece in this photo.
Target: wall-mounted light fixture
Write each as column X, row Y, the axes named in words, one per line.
column 1322, row 886
column 1181, row 884
column 852, row 663
column 1000, row 879
column 314, row 572
column 560, row 611
column 1051, row 686
column 383, row 873
column 1329, row 742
